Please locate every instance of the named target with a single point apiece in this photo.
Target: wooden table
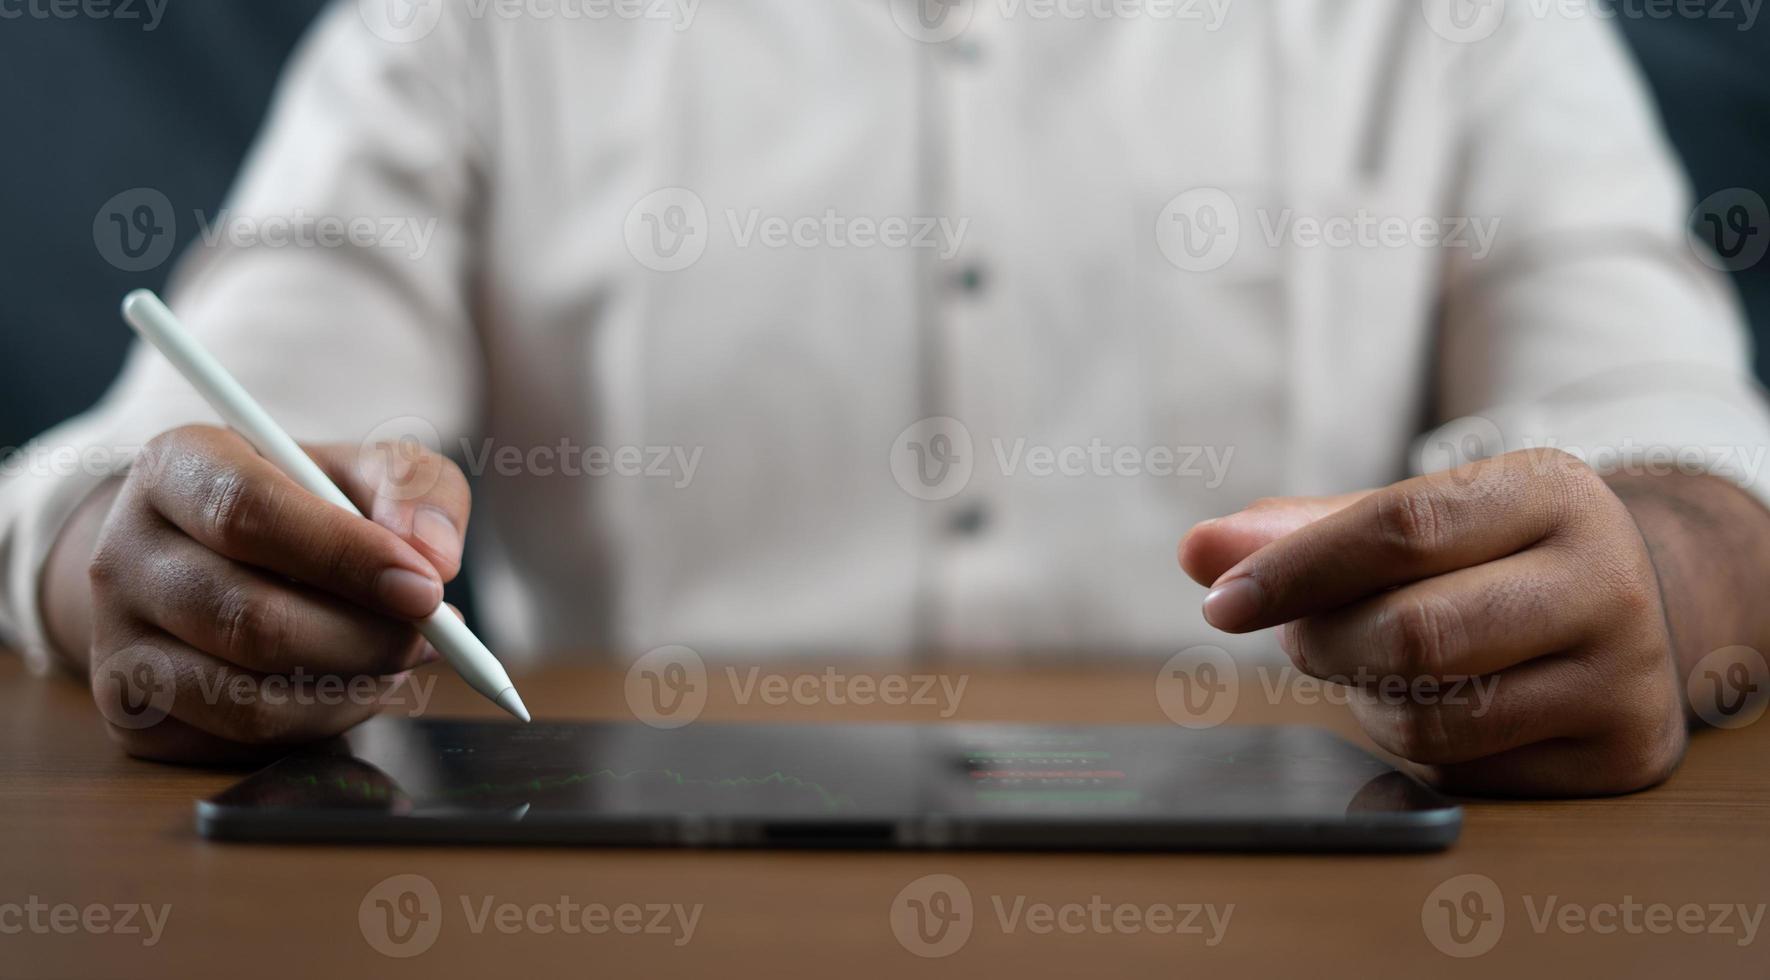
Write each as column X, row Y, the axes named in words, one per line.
column 84, row 826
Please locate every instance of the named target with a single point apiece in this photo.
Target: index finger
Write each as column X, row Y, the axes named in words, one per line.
column 237, row 504
column 1411, row 530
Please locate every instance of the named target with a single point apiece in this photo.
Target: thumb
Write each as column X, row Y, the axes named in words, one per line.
column 1215, row 546
column 418, row 494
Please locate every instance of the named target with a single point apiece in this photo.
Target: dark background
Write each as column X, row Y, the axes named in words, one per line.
column 95, row 107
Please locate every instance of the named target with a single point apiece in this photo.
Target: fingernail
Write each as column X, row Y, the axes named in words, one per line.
column 428, row 655
column 434, row 528
column 1234, row 604
column 408, row 593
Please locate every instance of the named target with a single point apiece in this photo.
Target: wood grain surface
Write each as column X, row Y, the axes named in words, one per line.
column 1587, row 888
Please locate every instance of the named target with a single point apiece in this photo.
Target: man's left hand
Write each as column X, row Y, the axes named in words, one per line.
column 1500, row 624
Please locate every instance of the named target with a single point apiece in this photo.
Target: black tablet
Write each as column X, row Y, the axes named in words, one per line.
column 880, row 786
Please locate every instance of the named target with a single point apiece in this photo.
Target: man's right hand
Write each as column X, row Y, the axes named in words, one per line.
column 211, row 572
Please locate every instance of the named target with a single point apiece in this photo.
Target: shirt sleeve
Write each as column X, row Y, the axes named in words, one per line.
column 1595, row 325
column 333, row 285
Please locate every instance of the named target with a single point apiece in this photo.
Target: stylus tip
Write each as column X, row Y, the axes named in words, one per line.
column 508, row 700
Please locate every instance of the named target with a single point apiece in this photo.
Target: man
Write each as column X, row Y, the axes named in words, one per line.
column 874, row 326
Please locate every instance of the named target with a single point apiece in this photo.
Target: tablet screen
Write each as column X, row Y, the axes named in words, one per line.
column 703, row 774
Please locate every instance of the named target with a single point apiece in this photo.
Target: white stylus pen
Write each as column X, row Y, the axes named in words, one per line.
column 155, row 323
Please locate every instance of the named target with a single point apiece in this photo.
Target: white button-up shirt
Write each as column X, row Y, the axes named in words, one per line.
column 874, row 326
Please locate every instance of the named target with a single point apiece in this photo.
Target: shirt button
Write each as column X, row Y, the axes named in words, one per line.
column 971, row 279
column 969, row 520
